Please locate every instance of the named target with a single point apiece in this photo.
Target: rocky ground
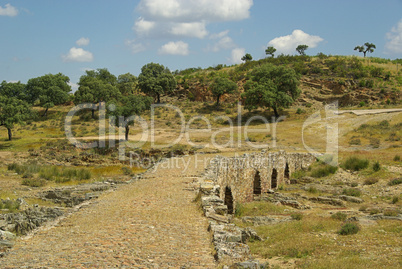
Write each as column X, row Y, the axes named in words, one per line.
column 150, row 223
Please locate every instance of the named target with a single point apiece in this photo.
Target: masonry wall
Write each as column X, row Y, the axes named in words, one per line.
column 238, row 174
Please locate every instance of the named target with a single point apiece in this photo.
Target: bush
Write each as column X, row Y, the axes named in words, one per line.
column 349, row 228
column 127, row 171
column 362, row 103
column 352, row 192
column 34, row 182
column 395, row 181
column 355, row 141
column 375, row 142
column 370, row 181
column 312, row 189
column 391, row 213
column 339, row 216
column 397, row 158
column 355, row 164
column 323, row 171
column 299, row 111
column 395, row 200
column 374, row 211
column 376, row 167
column 11, row 205
column 297, row 216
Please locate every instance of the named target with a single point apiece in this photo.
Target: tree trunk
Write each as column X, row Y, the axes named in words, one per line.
column 10, row 135
column 45, row 114
column 127, row 130
column 93, row 113
column 364, row 53
column 217, row 101
column 158, row 96
column 276, row 112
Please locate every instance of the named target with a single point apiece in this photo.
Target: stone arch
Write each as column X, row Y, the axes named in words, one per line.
column 257, row 184
column 287, row 173
column 229, row 200
column 274, row 179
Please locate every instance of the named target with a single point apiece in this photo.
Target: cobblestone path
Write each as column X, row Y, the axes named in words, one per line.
column 151, row 223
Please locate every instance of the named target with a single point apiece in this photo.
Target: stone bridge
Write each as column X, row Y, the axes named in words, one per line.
column 240, row 179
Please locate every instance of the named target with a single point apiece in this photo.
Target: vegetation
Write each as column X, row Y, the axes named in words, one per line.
column 352, row 192
column 221, row 86
column 349, row 228
column 339, row 216
column 301, row 49
column 271, row 87
column 355, row 164
column 367, row 47
column 247, row 57
column 155, row 80
column 395, row 181
column 270, row 51
column 323, row 170
column 13, row 111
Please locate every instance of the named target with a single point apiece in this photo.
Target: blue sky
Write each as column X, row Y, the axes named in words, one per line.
column 70, row 36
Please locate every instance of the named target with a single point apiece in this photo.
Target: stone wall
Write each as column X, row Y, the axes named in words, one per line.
column 241, row 178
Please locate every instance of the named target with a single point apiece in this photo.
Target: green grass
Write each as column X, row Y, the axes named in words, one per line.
column 339, row 216
column 258, row 208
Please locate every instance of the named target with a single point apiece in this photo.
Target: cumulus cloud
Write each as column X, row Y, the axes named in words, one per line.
column 175, row 48
column 287, row 44
column 189, row 29
column 78, row 55
column 83, row 41
column 8, row 10
column 143, row 27
column 394, row 39
column 134, row 46
column 236, row 56
column 195, row 10
column 224, row 43
column 186, row 17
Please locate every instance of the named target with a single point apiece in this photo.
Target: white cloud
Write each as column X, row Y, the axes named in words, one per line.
column 190, row 29
column 175, row 48
column 236, row 56
column 8, row 10
column 394, row 37
column 195, row 10
column 78, row 55
column 135, row 47
column 143, row 27
column 188, row 18
column 83, row 41
column 287, row 44
column 224, row 43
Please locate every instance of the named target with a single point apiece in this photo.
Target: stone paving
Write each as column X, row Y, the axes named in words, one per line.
column 150, row 223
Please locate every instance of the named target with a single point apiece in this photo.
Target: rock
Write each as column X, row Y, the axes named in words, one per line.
column 91, row 195
column 221, row 210
column 351, row 199
column 247, row 265
column 327, row 200
column 212, row 200
column 249, row 233
column 6, row 244
column 218, row 218
column 306, row 179
column 5, row 235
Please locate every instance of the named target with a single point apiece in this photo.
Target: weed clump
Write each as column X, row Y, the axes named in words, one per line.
column 339, row 216
column 355, row 164
column 370, row 181
column 352, row 192
column 395, row 181
column 349, row 228
column 297, row 216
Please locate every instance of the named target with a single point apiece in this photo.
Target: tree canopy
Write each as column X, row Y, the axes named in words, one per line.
column 13, row 111
column 301, row 49
column 367, row 47
column 247, row 57
column 13, row 89
column 127, row 83
column 271, row 87
column 49, row 90
column 270, row 51
column 95, row 87
column 128, row 106
column 221, row 86
column 155, row 80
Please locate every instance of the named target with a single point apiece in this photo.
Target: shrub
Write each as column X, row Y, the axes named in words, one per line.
column 370, row 181
column 397, row 158
column 34, row 182
column 339, row 216
column 323, row 171
column 299, row 111
column 11, row 205
column 395, row 181
column 354, row 184
column 363, row 208
column 395, row 200
column 376, row 167
column 355, row 141
column 391, row 213
column 362, row 103
column 355, row 164
column 375, row 142
column 312, row 189
column 352, row 192
column 297, row 216
column 349, row 228
column 127, row 171
column 374, row 211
